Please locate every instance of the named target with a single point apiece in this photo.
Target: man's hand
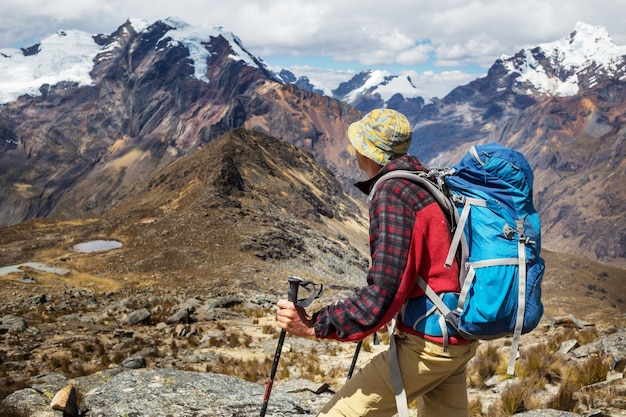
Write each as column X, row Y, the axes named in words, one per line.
column 294, row 319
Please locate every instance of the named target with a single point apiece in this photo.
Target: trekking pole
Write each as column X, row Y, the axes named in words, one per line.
column 292, row 295
column 354, row 358
column 356, row 355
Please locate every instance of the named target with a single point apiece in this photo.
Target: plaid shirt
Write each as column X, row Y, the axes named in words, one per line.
column 403, row 219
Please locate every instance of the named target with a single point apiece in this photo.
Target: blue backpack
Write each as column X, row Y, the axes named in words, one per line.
column 496, row 238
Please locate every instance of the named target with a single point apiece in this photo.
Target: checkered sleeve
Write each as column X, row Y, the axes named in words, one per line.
column 392, row 215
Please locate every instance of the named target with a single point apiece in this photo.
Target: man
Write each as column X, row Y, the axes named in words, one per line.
column 408, row 237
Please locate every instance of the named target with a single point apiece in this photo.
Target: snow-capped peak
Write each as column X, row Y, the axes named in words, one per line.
column 586, row 46
column 69, row 56
column 382, row 83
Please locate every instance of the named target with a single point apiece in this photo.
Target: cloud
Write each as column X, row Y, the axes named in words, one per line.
column 348, row 29
column 445, row 35
column 415, row 56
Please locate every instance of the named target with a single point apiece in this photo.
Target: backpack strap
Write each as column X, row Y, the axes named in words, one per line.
column 432, row 181
column 522, row 240
column 402, row 403
column 459, row 232
column 440, row 305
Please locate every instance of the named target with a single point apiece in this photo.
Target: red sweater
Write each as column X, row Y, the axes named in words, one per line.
column 408, row 236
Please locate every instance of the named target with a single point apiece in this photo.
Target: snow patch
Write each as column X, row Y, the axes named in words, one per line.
column 194, row 39
column 386, row 85
column 64, row 56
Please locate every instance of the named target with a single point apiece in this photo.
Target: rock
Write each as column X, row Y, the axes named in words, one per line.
column 136, row 317
column 547, row 413
column 12, row 324
column 570, row 321
column 135, row 362
column 221, row 302
column 160, row 392
column 194, row 302
column 27, row 399
column 183, row 315
column 65, row 401
column 611, row 347
column 614, row 376
column 180, row 330
column 122, row 333
column 567, row 346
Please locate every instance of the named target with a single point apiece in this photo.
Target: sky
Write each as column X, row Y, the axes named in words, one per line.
column 444, row 43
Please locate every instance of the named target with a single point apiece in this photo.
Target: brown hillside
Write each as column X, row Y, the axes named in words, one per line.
column 245, row 211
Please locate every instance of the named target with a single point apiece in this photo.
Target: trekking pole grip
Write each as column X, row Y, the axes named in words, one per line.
column 294, row 285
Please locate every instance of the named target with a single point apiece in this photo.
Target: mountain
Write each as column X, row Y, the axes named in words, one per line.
column 303, row 82
column 585, row 64
column 207, row 245
column 88, row 117
column 561, row 68
column 367, row 90
column 115, row 109
column 562, row 105
column 580, row 61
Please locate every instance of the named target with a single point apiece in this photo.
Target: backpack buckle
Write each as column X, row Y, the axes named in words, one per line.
column 509, row 232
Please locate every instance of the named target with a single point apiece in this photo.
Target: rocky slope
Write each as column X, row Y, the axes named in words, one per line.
column 207, row 246
column 226, row 211
column 75, row 150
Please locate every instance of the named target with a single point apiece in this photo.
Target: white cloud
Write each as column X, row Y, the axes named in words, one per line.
column 455, row 34
column 415, row 56
column 336, row 25
column 434, row 84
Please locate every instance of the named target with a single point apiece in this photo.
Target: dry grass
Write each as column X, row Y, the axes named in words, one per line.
column 485, row 365
column 475, row 408
column 538, row 366
column 564, row 399
column 516, row 398
column 591, row 371
column 576, row 377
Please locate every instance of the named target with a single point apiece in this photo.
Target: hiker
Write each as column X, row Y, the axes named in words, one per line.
column 408, row 236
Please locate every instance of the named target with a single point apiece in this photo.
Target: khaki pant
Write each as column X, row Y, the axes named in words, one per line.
column 427, row 371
